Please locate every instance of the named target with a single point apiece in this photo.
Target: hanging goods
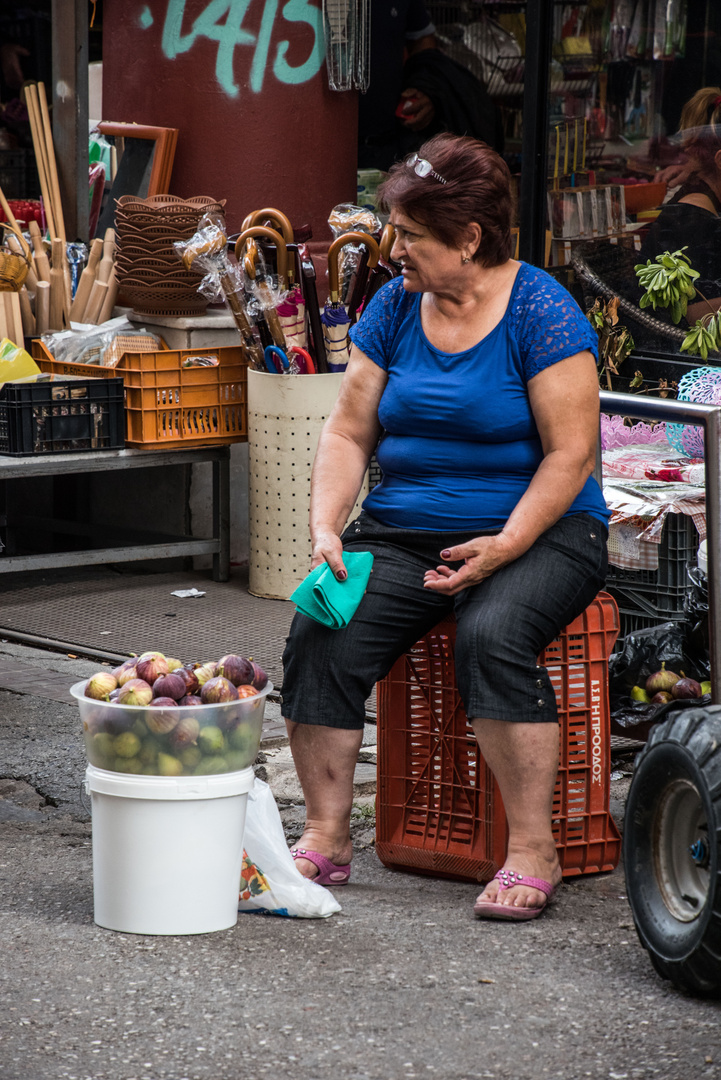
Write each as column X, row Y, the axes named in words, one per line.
column 702, row 385
column 346, row 28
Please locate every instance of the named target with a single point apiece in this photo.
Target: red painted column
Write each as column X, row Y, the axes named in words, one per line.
column 245, row 83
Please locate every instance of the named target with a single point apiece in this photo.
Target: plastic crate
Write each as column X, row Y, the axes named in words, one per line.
column 61, row 417
column 47, row 362
column 168, row 404
column 667, row 586
column 438, row 808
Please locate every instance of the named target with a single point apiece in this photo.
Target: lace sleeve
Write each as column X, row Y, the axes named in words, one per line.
column 375, row 331
column 548, row 323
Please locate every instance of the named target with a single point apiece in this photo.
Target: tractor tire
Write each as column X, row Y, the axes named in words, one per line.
column 672, row 849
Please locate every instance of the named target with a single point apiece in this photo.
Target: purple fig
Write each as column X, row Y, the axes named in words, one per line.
column 161, row 721
column 661, row 680
column 151, row 655
column 169, row 686
column 190, row 699
column 260, row 679
column 185, row 733
column 151, row 669
column 115, row 694
column 661, row 698
column 235, row 669
column 100, row 686
column 686, row 688
column 191, row 679
column 135, row 692
column 218, row 690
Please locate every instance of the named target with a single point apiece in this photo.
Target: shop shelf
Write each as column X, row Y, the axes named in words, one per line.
column 439, row 810
column 61, row 416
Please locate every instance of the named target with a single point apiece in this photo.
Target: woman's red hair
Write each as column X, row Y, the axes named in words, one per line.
column 477, row 189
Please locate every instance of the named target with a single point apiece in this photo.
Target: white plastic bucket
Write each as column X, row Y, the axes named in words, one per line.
column 167, row 851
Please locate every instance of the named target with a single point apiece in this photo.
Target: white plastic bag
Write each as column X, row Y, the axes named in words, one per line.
column 270, row 880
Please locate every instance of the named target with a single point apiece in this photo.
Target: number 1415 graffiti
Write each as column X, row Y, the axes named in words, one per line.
column 222, row 21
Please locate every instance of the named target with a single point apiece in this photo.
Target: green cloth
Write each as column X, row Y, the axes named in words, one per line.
column 329, row 601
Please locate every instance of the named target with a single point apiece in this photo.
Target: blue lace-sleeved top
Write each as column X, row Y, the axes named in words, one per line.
column 460, row 443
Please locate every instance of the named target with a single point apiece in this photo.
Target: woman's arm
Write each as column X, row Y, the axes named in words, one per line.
column 346, row 444
column 565, row 405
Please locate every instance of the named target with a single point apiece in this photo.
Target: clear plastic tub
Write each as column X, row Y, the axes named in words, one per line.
column 187, row 740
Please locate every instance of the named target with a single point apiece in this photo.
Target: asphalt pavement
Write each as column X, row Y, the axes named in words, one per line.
column 403, row 983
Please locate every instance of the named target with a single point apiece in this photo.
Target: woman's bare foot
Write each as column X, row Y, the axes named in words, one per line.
column 529, row 863
column 338, row 850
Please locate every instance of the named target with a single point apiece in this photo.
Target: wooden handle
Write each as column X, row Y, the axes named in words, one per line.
column 52, row 164
column 87, row 280
column 95, row 301
column 106, row 312
column 57, row 297
column 13, row 319
column 42, row 307
column 106, row 264
column 33, row 106
column 42, row 263
column 26, row 313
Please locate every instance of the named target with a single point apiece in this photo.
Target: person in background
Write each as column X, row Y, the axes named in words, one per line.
column 398, row 28
column 415, row 90
column 473, row 379
column 692, row 220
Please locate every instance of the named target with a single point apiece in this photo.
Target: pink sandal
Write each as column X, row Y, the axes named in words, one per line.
column 488, row 909
column 329, row 873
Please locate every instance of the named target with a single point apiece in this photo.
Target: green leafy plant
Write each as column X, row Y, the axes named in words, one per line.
column 669, row 282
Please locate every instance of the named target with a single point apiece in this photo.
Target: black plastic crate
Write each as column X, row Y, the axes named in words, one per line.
column 666, row 587
column 631, row 619
column 64, row 416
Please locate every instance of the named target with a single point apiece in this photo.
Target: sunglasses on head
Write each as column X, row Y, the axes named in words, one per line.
column 421, row 167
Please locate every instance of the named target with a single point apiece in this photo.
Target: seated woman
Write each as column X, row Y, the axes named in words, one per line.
column 474, row 376
column 691, row 219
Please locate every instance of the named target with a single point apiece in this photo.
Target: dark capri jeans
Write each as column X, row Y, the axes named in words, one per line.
column 503, row 623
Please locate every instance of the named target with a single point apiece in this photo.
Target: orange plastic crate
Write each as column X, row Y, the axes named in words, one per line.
column 167, row 404
column 438, row 808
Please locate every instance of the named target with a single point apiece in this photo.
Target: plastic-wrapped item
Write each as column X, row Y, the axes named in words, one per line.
column 77, row 258
column 15, row 362
column 208, row 248
column 102, row 345
column 201, row 361
column 345, row 218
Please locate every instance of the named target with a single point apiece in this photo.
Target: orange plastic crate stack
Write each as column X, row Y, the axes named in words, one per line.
column 168, row 404
column 438, row 808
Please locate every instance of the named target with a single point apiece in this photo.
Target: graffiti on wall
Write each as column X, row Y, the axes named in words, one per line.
column 223, row 21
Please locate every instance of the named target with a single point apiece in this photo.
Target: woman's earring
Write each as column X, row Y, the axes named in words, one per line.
column 466, row 259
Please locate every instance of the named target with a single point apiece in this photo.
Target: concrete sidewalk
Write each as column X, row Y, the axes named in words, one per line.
column 404, row 983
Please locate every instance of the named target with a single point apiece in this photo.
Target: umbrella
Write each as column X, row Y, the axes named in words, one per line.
column 385, row 269
column 209, row 247
column 261, row 289
column 291, row 310
column 335, row 318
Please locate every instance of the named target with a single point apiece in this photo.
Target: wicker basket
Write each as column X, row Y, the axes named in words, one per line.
column 14, row 267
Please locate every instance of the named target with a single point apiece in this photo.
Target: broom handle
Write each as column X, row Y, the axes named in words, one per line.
column 53, row 167
column 33, row 107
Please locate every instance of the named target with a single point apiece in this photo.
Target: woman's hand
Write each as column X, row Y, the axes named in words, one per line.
column 481, row 557
column 327, row 547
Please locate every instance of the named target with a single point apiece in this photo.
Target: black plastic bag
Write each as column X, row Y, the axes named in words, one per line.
column 641, row 654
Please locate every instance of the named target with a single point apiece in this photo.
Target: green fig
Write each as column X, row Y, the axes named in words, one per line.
column 126, row 745
column 169, row 765
column 209, row 765
column 639, row 694
column 706, row 687
column 211, row 740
